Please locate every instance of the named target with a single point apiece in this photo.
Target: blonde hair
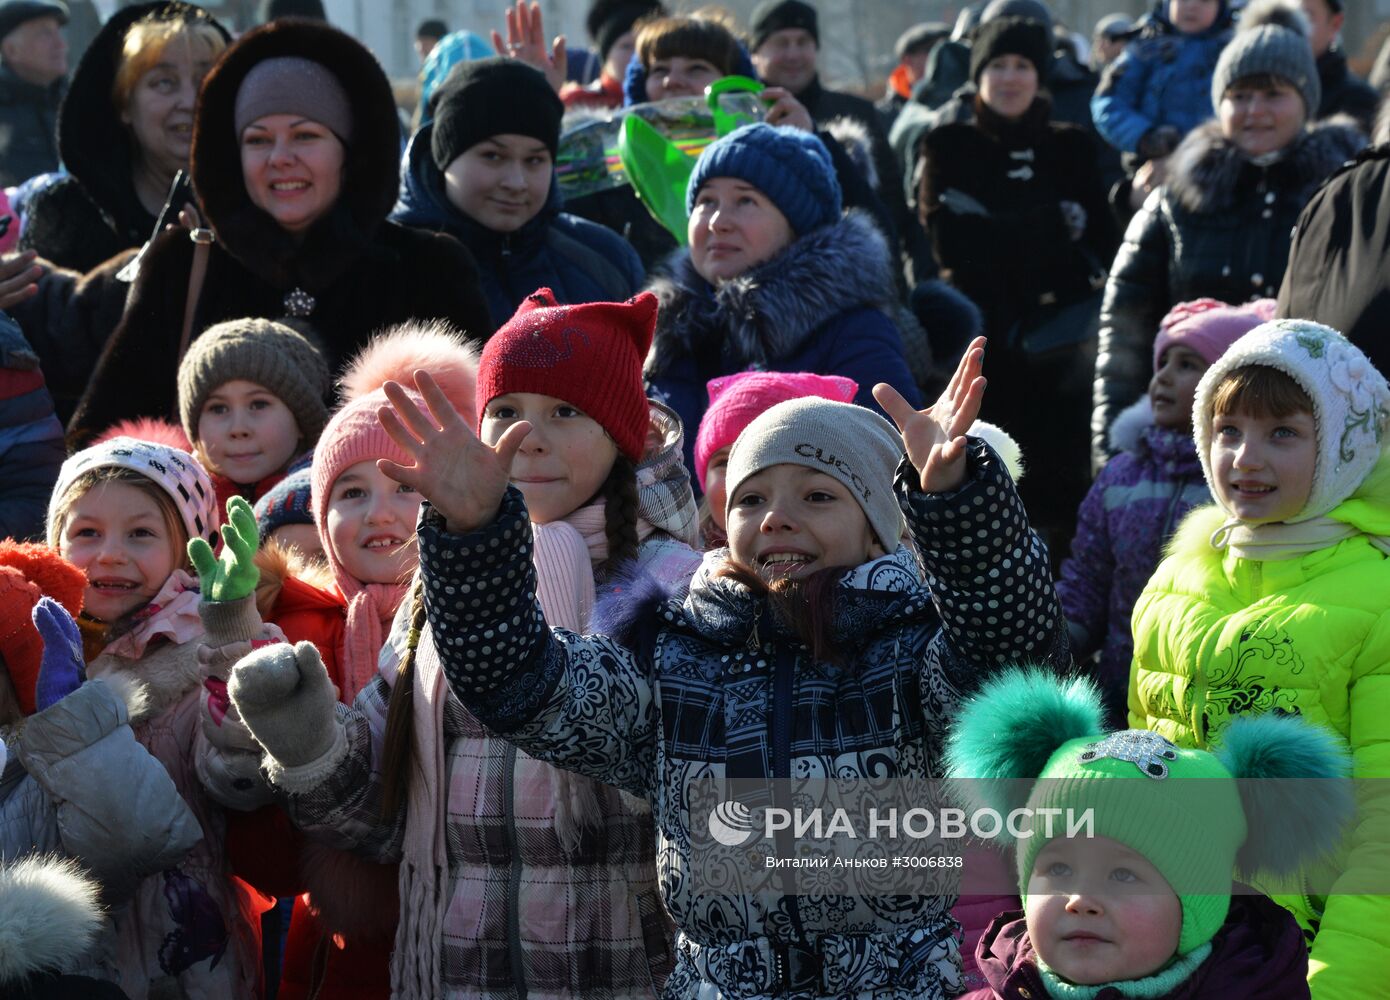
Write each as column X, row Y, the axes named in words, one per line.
column 148, row 39
column 92, row 478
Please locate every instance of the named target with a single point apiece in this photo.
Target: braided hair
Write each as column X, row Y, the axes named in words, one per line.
column 400, row 717
column 619, row 494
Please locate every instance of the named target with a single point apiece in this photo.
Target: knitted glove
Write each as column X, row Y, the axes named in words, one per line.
column 61, row 669
column 234, row 576
column 286, row 699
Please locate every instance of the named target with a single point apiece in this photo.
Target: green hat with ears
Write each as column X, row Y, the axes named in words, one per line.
column 1182, row 809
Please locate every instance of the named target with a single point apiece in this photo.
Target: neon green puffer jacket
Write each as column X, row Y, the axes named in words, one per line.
column 1217, row 636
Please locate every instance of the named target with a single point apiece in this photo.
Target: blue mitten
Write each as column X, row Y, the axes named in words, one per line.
column 62, row 668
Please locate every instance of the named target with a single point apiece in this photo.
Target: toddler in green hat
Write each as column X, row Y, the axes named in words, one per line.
column 1138, row 902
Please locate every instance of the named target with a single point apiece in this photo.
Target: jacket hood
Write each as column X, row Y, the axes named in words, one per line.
column 1368, row 508
column 772, row 309
column 49, row 917
column 95, row 146
column 371, row 165
column 1134, row 431
column 1207, row 167
column 665, row 498
column 424, row 204
column 1258, row 952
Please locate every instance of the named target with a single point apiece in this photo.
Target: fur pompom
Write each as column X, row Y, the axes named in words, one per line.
column 397, row 353
column 631, row 599
column 1279, row 13
column 1012, row 726
column 149, row 429
column 1002, row 442
column 1291, row 820
column 49, row 917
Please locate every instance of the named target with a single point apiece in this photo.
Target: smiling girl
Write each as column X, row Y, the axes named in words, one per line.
column 123, row 513
column 1274, row 599
column 483, row 171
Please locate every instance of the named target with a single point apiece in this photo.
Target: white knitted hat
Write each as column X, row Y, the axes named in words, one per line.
column 1351, row 402
column 177, row 472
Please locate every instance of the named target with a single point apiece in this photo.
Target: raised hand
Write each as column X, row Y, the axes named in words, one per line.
column 526, row 42
column 235, row 575
column 463, row 478
column 935, row 437
column 787, row 110
column 286, row 699
column 61, row 668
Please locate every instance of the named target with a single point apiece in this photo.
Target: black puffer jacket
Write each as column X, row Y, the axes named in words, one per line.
column 1220, row 229
column 94, row 212
column 361, row 271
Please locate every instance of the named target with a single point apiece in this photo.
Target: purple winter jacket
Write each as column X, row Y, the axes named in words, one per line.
column 1258, row 954
column 1131, row 511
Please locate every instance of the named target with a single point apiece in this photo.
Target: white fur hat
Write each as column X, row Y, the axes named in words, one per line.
column 1351, row 402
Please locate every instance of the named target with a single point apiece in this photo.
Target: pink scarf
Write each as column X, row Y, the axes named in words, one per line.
column 371, row 606
column 172, row 614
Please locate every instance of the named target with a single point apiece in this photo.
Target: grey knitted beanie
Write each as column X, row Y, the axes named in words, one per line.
column 846, row 442
column 262, row 351
column 1272, row 38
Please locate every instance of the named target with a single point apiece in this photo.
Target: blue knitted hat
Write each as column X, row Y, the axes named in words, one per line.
column 287, row 502
column 791, row 167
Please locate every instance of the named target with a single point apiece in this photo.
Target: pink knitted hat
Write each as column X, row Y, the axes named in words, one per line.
column 1208, row 327
column 735, row 400
column 353, row 435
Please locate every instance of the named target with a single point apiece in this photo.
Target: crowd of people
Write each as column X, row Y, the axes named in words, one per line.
column 395, row 548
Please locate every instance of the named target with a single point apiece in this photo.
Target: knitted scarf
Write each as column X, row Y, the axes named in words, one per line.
column 1268, row 542
column 370, row 609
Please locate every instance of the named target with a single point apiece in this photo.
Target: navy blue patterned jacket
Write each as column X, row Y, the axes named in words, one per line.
column 720, row 689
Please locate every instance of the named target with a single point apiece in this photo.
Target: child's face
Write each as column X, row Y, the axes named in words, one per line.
column 788, row 521
column 117, row 535
column 304, row 537
column 1263, row 466
column 502, row 182
column 1192, row 17
column 1174, row 385
column 371, row 525
column 246, row 432
column 715, row 494
column 1097, row 912
column 564, row 460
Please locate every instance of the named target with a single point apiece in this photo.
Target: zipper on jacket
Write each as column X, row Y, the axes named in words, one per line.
column 514, row 873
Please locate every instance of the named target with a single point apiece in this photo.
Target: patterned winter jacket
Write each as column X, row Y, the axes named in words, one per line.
column 1132, row 510
column 1162, row 78
column 718, row 689
column 1216, row 636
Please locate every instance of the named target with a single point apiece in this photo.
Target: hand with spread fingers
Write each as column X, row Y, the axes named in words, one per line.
column 935, row 437
column 526, row 43
column 235, row 575
column 462, row 478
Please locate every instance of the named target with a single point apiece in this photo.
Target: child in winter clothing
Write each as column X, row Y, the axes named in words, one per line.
column 483, row 171
column 646, row 715
column 251, row 399
column 31, row 438
column 1141, row 903
column 734, row 401
column 284, row 514
column 1274, row 597
column 122, row 512
column 586, row 897
column 1160, row 87
column 1143, row 492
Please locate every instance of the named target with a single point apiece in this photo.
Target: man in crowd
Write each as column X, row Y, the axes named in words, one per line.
column 33, row 63
column 1109, row 40
column 1342, row 93
column 427, row 36
column 912, row 49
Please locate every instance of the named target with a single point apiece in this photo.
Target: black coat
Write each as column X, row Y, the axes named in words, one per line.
column 1343, row 93
column 1220, row 229
column 362, row 271
column 1337, row 270
column 28, row 128
column 94, row 212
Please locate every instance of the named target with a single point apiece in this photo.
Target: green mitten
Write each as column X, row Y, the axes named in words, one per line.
column 235, row 575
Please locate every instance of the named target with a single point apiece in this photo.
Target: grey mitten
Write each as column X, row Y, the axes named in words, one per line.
column 286, row 699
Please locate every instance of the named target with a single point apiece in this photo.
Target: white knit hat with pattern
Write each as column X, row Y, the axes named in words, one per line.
column 1351, row 402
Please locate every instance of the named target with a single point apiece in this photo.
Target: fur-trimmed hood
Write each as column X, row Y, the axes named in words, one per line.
column 1207, row 169
column 371, row 167
column 95, row 145
column 49, row 918
column 854, row 136
column 770, row 311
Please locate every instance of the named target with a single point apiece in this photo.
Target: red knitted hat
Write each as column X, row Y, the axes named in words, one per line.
column 589, row 355
column 28, row 572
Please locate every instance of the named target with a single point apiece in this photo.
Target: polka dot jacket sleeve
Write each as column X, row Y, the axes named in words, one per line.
column 988, row 571
column 584, row 703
